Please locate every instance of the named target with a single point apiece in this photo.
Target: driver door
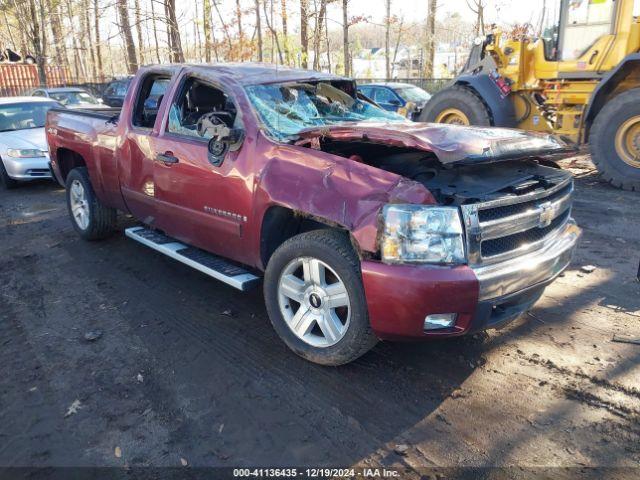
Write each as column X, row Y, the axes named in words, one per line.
column 202, row 201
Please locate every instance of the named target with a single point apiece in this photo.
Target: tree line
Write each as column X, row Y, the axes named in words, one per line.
column 95, row 39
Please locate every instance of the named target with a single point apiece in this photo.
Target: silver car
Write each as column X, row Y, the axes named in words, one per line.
column 24, row 153
column 71, row 97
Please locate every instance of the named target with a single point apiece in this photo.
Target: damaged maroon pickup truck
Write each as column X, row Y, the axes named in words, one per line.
column 360, row 225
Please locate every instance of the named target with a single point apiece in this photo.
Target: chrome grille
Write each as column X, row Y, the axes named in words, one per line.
column 505, row 228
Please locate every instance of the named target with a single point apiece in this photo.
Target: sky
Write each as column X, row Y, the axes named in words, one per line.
column 498, row 11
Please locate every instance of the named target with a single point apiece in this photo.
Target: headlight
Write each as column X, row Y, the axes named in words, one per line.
column 422, row 234
column 28, row 153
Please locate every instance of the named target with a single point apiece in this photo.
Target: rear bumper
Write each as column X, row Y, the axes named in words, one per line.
column 27, row 168
column 399, row 297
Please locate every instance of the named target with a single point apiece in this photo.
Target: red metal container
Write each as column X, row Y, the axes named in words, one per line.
column 16, row 78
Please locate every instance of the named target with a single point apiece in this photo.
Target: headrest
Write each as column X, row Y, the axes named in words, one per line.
column 207, row 97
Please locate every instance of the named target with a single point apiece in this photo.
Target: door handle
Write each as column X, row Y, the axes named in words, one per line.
column 167, row 158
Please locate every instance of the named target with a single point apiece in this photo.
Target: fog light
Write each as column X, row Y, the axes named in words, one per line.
column 440, row 320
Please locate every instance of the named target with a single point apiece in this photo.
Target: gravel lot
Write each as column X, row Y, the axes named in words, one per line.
column 188, row 371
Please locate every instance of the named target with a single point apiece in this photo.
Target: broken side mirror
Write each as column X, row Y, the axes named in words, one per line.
column 224, row 140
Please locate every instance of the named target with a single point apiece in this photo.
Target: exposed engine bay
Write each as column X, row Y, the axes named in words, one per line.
column 454, row 184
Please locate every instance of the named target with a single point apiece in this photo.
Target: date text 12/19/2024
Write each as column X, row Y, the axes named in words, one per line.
column 315, row 473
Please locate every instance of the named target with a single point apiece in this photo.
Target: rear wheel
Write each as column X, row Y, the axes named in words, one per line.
column 90, row 218
column 6, row 181
column 457, row 105
column 615, row 141
column 315, row 298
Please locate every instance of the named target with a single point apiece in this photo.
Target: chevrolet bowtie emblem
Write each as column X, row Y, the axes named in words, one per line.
column 546, row 215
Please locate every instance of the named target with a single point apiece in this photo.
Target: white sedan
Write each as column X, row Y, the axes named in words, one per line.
column 24, row 153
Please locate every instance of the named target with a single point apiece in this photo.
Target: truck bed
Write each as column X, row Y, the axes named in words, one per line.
column 102, row 113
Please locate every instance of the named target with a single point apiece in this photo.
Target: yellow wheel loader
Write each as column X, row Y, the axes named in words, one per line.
column 578, row 77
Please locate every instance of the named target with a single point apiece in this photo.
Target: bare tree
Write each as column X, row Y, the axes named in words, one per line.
column 98, row 46
column 77, row 63
column 387, row 39
column 173, row 34
column 138, row 17
column 88, row 37
column 56, row 32
column 155, row 30
column 317, row 34
column 285, row 33
column 345, row 37
column 274, row 34
column 32, row 12
column 259, row 31
column 430, row 49
column 304, row 32
column 125, row 29
column 225, row 27
column 206, row 25
column 239, row 20
column 477, row 7
column 397, row 47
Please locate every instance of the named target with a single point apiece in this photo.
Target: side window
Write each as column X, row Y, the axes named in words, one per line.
column 38, row 93
column 384, row 95
column 587, row 21
column 366, row 91
column 149, row 100
column 198, row 105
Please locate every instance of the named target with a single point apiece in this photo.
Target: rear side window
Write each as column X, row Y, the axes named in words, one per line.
column 384, row 95
column 149, row 99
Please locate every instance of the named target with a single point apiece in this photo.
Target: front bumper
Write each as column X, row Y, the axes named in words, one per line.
column 27, row 168
column 399, row 297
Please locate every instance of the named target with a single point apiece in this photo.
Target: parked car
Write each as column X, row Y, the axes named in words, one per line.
column 70, row 97
column 23, row 145
column 115, row 92
column 360, row 224
column 406, row 99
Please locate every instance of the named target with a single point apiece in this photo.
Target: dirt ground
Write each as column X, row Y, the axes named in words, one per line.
column 188, row 371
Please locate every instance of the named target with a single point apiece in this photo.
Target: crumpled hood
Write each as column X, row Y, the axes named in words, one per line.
column 452, row 144
column 24, row 139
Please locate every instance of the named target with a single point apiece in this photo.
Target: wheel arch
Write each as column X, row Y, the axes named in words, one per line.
column 501, row 110
column 608, row 88
column 280, row 223
column 67, row 160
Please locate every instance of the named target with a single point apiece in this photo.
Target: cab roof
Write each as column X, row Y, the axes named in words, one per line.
column 253, row 73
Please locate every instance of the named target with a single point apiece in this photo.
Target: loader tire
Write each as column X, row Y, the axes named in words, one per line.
column 458, row 105
column 615, row 141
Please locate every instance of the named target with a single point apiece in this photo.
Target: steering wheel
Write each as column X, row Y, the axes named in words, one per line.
column 206, row 121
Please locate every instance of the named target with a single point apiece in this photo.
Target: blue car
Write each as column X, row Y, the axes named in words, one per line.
column 402, row 98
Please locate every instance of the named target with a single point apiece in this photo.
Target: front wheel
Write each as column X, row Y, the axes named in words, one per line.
column 315, row 298
column 90, row 218
column 615, row 141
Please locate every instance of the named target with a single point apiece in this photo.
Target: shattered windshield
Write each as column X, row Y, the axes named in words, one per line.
column 288, row 108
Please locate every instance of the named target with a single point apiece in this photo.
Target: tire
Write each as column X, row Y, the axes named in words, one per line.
column 6, row 181
column 460, row 98
column 352, row 335
column 99, row 221
column 605, row 152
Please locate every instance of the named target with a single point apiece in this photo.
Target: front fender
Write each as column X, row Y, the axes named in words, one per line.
column 335, row 189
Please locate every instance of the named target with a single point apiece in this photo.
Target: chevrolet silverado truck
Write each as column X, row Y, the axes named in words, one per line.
column 359, row 224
